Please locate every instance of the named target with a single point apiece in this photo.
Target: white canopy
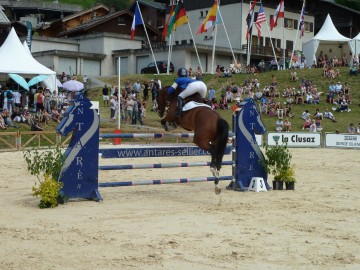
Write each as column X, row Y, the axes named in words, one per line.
column 331, row 42
column 354, row 45
column 15, row 59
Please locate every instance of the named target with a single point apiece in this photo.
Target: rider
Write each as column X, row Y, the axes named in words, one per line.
column 188, row 87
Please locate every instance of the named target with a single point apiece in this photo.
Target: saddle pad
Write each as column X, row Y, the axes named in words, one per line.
column 192, row 104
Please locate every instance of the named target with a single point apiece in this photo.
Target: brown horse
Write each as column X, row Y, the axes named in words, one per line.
column 211, row 132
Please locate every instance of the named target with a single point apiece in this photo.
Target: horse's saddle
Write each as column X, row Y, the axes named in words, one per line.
column 193, row 104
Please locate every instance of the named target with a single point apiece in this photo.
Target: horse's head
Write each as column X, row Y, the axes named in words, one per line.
column 251, row 118
column 74, row 117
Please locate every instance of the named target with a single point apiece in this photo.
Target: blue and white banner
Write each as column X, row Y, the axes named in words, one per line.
column 342, row 140
column 295, row 139
column 29, row 34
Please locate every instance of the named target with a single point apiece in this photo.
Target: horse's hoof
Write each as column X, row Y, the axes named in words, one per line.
column 217, row 190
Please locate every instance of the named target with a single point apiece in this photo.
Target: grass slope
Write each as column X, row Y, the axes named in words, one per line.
column 283, row 80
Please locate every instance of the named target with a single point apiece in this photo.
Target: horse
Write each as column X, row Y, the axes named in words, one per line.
column 82, row 151
column 249, row 122
column 211, row 132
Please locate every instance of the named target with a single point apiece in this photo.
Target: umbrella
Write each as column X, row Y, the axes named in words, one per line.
column 73, row 85
column 19, row 80
column 37, row 79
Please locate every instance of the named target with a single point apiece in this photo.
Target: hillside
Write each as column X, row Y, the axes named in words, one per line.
column 283, row 80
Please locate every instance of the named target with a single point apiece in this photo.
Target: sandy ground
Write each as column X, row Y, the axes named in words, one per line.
column 187, row 226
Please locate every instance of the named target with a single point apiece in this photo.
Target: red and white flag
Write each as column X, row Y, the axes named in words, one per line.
column 279, row 13
column 136, row 21
column 250, row 18
column 260, row 19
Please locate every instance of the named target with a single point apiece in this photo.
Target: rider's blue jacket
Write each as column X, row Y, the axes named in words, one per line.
column 181, row 82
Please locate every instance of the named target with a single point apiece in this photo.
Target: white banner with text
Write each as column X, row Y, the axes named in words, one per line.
column 342, row 140
column 295, row 139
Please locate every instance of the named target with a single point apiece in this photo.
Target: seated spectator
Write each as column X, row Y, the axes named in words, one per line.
column 309, row 99
column 307, row 123
column 227, row 73
column 318, row 117
column 305, row 114
column 261, row 66
column 199, row 74
column 17, row 116
column 214, row 104
column 312, row 127
column 287, row 111
column 258, row 95
column 190, row 72
column 358, row 128
column 55, row 115
column 7, row 119
column 354, row 70
column 299, row 99
column 273, row 64
column 218, row 72
column 343, row 107
column 279, row 125
column 223, row 104
column 329, row 115
column 293, row 76
column 229, row 96
column 271, row 112
column 287, row 125
column 351, row 128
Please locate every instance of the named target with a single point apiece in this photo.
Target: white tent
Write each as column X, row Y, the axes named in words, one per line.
column 328, row 40
column 15, row 59
column 354, row 45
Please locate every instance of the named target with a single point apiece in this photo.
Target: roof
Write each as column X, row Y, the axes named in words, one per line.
column 328, row 32
column 92, row 9
column 3, row 17
column 332, row 2
column 100, row 20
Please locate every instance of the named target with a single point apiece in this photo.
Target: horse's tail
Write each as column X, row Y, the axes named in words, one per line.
column 223, row 136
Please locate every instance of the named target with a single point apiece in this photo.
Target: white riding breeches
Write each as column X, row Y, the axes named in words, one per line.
column 192, row 88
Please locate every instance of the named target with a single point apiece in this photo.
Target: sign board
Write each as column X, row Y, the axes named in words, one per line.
column 342, row 140
column 295, row 139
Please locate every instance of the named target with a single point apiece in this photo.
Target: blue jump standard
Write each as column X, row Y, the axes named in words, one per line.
column 164, row 181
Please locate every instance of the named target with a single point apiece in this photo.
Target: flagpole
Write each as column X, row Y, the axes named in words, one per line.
column 272, row 45
column 283, row 41
column 197, row 54
column 297, row 34
column 213, row 52
column 168, row 65
column 157, row 69
column 227, row 36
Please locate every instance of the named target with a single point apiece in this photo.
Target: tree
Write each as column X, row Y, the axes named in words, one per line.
column 354, row 4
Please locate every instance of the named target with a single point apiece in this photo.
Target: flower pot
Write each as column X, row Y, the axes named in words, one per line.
column 278, row 185
column 290, row 185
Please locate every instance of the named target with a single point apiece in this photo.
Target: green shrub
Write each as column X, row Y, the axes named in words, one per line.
column 46, row 166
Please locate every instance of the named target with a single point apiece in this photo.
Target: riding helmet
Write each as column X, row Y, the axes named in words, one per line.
column 182, row 72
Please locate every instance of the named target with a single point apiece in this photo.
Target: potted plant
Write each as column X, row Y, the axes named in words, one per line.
column 278, row 163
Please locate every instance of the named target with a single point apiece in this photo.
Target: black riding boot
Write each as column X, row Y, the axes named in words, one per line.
column 179, row 105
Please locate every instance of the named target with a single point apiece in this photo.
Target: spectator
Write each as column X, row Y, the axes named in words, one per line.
column 129, row 109
column 40, row 101
column 312, row 127
column 287, row 125
column 55, row 115
column 229, row 96
column 261, row 66
column 127, row 87
column 358, row 128
column 137, row 88
column 211, row 94
column 17, row 116
column 351, row 128
column 214, row 104
column 353, row 70
column 223, row 104
column 273, row 64
column 293, row 76
column 2, row 123
column 105, row 92
column 279, row 125
column 190, row 72
column 113, row 105
column 227, row 73
column 146, row 90
column 318, row 117
column 307, row 123
column 199, row 74
column 9, row 94
column 329, row 115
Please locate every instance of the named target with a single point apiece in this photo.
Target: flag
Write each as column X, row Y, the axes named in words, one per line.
column 166, row 28
column 177, row 18
column 279, row 13
column 302, row 21
column 260, row 19
column 210, row 19
column 250, row 18
column 181, row 17
column 136, row 21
